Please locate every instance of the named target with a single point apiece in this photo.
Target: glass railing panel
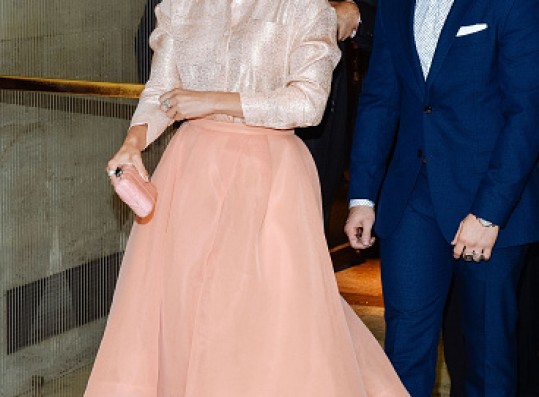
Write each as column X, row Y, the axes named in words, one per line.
column 62, row 236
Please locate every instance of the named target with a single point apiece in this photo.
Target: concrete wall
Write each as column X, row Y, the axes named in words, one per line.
column 75, row 39
column 57, row 209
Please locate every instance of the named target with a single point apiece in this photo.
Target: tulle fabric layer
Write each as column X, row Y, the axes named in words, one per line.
column 227, row 289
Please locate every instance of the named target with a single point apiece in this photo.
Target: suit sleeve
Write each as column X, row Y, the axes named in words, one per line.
column 302, row 100
column 377, row 119
column 164, row 76
column 517, row 149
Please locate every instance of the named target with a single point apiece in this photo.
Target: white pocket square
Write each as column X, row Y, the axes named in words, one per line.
column 466, row 30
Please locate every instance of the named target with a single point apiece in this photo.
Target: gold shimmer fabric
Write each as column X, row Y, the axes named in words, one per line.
column 279, row 55
column 227, row 289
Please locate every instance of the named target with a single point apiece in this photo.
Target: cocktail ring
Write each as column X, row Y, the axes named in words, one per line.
column 167, row 104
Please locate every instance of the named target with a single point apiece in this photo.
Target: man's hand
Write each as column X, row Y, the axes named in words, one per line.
column 473, row 240
column 358, row 226
column 347, row 18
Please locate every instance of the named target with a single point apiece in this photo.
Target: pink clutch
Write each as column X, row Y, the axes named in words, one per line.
column 138, row 194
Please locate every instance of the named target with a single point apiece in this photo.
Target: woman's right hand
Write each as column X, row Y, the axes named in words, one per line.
column 130, row 151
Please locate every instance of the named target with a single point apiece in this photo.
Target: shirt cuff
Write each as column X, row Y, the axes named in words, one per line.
column 149, row 113
column 358, row 202
column 485, row 222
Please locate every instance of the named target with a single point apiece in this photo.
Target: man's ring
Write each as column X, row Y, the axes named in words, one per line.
column 468, row 257
column 111, row 172
column 478, row 257
column 167, row 104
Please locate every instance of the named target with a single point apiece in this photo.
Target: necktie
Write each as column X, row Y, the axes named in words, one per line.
column 429, row 19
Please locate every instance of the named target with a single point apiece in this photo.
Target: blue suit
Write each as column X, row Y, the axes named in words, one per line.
column 464, row 141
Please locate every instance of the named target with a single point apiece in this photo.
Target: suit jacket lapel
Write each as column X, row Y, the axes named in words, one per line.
column 407, row 34
column 448, row 34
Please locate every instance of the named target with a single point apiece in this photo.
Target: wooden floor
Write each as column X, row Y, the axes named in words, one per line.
column 360, row 284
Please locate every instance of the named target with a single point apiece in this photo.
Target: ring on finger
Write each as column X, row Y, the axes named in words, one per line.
column 478, row 257
column 166, row 103
column 111, row 172
column 468, row 256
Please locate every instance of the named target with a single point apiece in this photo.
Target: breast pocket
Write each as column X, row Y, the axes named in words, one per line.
column 472, row 56
column 472, row 35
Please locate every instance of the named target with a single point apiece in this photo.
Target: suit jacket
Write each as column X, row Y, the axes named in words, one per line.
column 475, row 120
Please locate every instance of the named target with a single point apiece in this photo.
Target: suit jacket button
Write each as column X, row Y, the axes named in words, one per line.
column 427, row 109
column 419, row 153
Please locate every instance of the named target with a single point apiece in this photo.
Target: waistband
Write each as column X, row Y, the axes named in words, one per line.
column 236, row 128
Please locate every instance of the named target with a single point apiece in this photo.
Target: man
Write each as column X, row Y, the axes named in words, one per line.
column 459, row 110
column 328, row 142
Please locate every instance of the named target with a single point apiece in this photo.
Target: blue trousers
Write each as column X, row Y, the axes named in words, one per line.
column 417, row 268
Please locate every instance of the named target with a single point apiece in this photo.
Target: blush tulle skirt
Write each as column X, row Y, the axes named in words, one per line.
column 227, row 289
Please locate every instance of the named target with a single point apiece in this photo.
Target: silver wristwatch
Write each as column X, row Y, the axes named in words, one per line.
column 485, row 223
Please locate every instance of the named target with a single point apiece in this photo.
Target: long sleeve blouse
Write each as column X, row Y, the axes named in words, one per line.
column 277, row 54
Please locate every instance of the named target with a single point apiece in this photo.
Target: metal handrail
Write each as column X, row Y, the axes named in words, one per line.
column 74, row 87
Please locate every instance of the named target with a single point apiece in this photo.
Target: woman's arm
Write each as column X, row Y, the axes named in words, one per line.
column 180, row 104
column 313, row 56
column 164, row 76
column 149, row 122
column 301, row 102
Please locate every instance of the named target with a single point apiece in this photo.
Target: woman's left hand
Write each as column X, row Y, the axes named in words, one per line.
column 180, row 104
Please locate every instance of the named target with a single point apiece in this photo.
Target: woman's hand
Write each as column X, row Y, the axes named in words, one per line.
column 130, row 151
column 347, row 18
column 180, row 104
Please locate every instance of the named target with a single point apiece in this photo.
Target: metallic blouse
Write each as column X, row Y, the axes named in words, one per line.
column 278, row 54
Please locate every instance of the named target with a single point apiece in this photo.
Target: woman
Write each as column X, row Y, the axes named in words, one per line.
column 227, row 289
